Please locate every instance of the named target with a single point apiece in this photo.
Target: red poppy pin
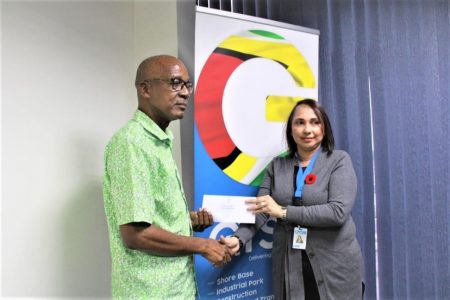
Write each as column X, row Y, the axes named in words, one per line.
column 310, row 179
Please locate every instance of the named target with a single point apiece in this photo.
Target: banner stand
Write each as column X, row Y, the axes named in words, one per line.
column 249, row 72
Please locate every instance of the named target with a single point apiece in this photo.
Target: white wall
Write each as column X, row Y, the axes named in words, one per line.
column 67, row 85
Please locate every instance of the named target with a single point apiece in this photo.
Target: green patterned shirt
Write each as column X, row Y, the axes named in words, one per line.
column 142, row 184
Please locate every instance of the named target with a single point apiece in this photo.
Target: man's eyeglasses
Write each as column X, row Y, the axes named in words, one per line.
column 176, row 84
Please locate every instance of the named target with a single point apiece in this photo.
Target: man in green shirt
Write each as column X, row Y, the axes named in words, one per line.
column 150, row 229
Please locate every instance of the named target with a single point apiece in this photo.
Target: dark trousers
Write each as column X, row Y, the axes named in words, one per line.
column 309, row 281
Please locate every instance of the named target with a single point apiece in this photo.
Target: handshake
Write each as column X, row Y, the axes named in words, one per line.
column 217, row 252
column 220, row 252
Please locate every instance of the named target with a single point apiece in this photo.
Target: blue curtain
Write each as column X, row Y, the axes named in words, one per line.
column 409, row 75
column 384, row 77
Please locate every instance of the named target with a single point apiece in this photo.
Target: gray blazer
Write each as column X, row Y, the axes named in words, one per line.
column 332, row 248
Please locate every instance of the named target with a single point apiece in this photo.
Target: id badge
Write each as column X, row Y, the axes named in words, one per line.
column 299, row 240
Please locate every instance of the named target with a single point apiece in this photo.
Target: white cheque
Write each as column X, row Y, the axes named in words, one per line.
column 229, row 209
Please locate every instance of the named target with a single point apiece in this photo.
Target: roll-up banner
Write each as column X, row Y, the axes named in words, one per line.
column 249, row 72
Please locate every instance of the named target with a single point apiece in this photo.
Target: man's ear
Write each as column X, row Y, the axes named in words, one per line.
column 143, row 90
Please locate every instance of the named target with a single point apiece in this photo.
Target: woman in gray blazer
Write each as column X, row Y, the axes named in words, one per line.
column 311, row 192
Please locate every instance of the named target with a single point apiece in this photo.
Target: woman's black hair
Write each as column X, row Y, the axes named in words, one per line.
column 328, row 138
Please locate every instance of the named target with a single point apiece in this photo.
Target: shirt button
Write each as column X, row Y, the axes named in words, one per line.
column 311, row 254
column 320, row 281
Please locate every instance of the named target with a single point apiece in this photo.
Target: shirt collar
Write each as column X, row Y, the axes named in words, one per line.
column 152, row 128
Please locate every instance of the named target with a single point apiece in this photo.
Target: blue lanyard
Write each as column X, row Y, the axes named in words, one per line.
column 301, row 176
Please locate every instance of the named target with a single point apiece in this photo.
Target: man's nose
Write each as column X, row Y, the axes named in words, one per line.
column 184, row 92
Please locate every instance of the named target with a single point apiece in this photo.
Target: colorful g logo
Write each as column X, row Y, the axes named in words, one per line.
column 239, row 112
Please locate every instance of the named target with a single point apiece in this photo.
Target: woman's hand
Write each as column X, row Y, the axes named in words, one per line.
column 232, row 243
column 265, row 204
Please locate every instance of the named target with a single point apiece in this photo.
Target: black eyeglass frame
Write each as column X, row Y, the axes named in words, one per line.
column 176, row 84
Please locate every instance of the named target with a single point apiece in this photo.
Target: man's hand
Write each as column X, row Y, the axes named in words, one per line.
column 216, row 253
column 201, row 219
